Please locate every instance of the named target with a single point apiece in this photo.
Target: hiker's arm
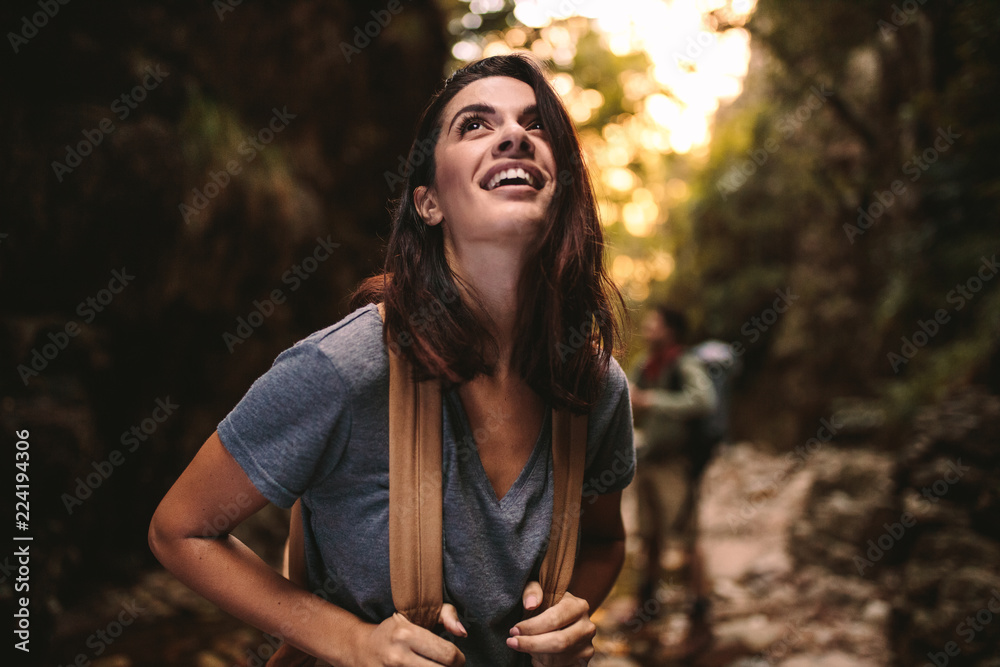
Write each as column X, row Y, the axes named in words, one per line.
column 695, row 399
column 189, row 534
column 565, row 631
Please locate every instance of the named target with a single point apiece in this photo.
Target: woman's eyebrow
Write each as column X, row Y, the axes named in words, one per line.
column 486, row 109
column 477, row 108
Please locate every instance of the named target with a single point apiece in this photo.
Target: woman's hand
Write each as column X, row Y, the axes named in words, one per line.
column 396, row 642
column 560, row 635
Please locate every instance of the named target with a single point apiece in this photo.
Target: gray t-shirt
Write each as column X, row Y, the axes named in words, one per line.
column 316, row 426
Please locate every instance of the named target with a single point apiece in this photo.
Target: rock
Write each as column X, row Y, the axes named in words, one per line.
column 876, row 611
column 112, row 661
column 848, row 504
column 207, row 659
column 835, row 659
column 613, row 661
column 949, row 571
column 756, row 632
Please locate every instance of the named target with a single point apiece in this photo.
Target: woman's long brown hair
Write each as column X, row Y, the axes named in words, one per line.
column 568, row 322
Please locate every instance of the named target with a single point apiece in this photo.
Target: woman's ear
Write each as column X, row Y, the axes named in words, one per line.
column 425, row 201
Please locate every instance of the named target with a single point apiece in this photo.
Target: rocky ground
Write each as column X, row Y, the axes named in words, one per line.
column 767, row 610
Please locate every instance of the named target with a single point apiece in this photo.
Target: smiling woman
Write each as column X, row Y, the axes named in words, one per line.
column 484, row 218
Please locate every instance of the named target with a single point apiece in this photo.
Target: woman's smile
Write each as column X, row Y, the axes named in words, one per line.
column 513, row 174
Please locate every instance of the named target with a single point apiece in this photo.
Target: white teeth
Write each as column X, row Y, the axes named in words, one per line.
column 510, row 173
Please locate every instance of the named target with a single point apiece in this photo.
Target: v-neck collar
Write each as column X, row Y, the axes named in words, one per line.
column 482, row 479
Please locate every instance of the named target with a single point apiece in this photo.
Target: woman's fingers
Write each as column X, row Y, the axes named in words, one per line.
column 396, row 641
column 449, row 619
column 566, row 611
column 561, row 635
column 575, row 638
column 532, row 595
column 426, row 644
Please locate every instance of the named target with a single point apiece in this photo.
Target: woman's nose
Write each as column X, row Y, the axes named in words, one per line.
column 513, row 142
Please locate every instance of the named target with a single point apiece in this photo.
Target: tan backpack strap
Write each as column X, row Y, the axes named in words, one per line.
column 415, row 509
column 415, row 560
column 569, row 458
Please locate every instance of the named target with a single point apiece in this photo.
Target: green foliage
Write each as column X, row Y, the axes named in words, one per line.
column 789, row 220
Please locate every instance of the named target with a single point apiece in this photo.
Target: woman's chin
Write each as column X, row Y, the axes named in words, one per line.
column 523, row 228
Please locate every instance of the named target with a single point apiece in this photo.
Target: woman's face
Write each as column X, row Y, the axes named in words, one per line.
column 494, row 169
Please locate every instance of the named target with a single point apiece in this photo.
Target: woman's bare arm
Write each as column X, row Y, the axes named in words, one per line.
column 189, row 534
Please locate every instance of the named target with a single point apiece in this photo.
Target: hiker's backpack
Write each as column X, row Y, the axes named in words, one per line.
column 722, row 366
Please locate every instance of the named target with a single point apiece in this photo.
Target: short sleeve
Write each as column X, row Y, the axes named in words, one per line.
column 610, row 447
column 284, row 431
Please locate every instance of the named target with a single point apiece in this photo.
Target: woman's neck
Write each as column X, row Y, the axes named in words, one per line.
column 493, row 272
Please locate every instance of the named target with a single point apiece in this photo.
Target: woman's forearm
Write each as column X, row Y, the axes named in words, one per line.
column 597, row 567
column 231, row 575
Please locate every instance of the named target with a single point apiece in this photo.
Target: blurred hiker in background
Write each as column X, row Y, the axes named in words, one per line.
column 680, row 406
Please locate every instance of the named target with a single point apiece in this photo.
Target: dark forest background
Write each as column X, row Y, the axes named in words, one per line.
column 899, row 80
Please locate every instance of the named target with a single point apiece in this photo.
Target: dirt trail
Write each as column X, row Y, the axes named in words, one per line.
column 766, row 609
